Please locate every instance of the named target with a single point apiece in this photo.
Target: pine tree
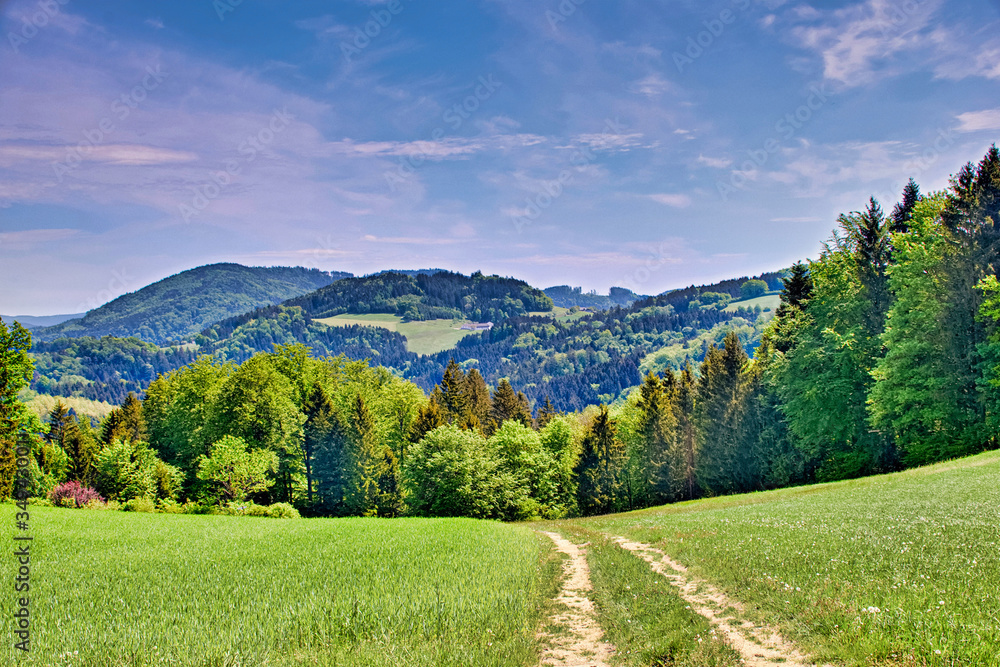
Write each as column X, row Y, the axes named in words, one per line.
column 903, row 211
column 65, row 433
column 125, row 423
column 428, row 419
column 724, row 463
column 454, row 394
column 319, row 412
column 508, row 405
column 333, row 466
column 478, row 397
column 545, row 414
column 657, row 426
column 684, row 455
column 599, row 469
column 797, row 289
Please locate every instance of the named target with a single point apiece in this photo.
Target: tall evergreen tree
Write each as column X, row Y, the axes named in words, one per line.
column 657, row 426
column 545, row 414
column 599, row 469
column 478, row 394
column 684, row 455
column 125, row 423
column 726, row 464
column 454, row 394
column 508, row 405
column 319, row 411
column 428, row 419
column 903, row 211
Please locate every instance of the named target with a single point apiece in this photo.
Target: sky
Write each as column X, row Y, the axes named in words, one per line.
column 649, row 145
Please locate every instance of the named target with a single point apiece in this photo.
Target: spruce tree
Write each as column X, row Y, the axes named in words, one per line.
column 545, row 414
column 428, row 419
column 903, row 211
column 319, row 412
column 599, row 469
column 508, row 405
column 454, row 394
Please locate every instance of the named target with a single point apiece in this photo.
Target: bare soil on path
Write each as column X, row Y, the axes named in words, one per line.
column 582, row 644
column 759, row 646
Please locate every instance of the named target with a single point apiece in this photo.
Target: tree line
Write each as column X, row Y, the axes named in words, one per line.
column 884, row 354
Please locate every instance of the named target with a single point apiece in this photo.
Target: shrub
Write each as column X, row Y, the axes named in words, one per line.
column 73, row 494
column 140, row 505
column 282, row 511
column 170, row 506
column 99, row 505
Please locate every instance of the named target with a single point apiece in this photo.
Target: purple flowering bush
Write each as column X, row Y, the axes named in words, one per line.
column 73, row 494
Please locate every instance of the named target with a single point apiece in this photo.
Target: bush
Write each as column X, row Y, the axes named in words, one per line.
column 98, row 505
column 73, row 494
column 140, row 505
column 191, row 507
column 169, row 506
column 282, row 511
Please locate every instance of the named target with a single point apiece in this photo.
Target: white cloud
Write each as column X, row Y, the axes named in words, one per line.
column 977, row 121
column 715, row 162
column 674, row 200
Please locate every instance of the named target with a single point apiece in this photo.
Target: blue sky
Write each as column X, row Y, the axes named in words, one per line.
column 644, row 144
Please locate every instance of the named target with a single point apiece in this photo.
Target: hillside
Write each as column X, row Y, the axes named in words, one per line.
column 441, row 295
column 180, row 306
column 574, row 359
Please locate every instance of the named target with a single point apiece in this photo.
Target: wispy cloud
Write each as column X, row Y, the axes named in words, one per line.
column 673, row 200
column 977, row 121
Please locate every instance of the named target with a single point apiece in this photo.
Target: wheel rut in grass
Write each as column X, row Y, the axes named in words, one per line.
column 582, row 644
column 758, row 646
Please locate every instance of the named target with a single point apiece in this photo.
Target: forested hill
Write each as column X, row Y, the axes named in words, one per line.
column 575, row 359
column 442, row 295
column 180, row 306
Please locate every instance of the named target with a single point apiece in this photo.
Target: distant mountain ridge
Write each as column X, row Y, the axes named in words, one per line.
column 181, row 305
column 567, row 297
column 38, row 321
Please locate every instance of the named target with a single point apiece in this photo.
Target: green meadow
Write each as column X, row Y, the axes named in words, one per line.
column 898, row 569
column 113, row 588
column 894, row 570
column 427, row 337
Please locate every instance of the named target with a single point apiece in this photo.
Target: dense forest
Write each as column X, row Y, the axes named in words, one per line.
column 573, row 361
column 176, row 308
column 884, row 354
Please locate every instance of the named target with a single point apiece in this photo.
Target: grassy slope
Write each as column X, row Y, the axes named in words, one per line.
column 899, row 569
column 771, row 301
column 427, row 337
column 135, row 589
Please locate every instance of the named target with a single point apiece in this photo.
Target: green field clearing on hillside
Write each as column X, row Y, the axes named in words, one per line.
column 384, row 320
column 143, row 589
column 426, row 337
column 771, row 301
column 899, row 569
column 560, row 313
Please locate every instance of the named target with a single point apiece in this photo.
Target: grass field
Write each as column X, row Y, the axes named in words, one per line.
column 148, row 589
column 900, row 569
column 428, row 337
column 771, row 301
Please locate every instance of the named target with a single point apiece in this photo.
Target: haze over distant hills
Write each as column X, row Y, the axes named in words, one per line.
column 182, row 305
column 39, row 321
